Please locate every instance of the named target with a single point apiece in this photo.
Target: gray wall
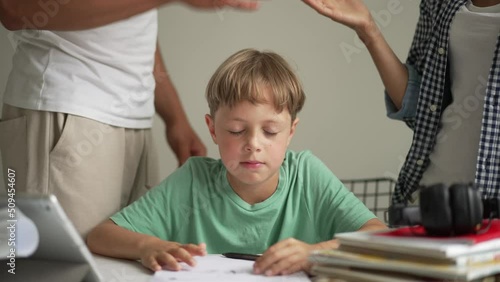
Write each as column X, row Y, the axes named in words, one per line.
column 343, row 121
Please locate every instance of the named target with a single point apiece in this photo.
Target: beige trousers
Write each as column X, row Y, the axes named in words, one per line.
column 94, row 169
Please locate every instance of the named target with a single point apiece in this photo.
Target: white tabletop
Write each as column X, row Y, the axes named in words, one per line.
column 118, row 270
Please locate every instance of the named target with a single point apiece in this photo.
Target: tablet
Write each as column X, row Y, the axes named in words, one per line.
column 61, row 254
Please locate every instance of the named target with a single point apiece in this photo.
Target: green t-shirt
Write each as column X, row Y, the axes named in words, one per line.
column 196, row 204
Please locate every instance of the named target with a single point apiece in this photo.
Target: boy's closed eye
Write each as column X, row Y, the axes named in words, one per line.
column 235, row 132
column 266, row 132
column 270, row 133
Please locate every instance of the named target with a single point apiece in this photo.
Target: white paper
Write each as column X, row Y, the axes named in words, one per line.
column 218, row 268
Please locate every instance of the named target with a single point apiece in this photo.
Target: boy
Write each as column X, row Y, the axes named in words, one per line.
column 258, row 198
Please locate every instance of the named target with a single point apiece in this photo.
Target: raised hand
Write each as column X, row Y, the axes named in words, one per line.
column 352, row 13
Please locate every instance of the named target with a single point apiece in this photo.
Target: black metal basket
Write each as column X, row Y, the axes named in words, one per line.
column 375, row 193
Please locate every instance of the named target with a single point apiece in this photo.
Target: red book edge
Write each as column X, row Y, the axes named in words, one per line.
column 493, row 232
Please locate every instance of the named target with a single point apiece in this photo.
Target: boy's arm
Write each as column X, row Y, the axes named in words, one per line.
column 372, row 224
column 291, row 255
column 85, row 14
column 111, row 240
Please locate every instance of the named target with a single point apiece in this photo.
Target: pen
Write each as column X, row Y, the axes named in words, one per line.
column 241, row 256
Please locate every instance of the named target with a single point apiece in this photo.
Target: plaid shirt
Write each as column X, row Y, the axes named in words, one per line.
column 428, row 55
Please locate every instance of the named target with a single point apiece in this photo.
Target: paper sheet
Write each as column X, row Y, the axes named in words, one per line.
column 219, row 268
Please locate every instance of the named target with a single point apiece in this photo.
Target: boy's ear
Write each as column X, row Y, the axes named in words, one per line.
column 292, row 130
column 211, row 127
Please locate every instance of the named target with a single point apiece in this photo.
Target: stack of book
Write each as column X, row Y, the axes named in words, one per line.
column 407, row 254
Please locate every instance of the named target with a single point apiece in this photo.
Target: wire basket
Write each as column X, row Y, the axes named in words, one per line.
column 375, row 193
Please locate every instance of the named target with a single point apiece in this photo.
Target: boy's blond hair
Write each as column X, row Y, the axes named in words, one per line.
column 243, row 76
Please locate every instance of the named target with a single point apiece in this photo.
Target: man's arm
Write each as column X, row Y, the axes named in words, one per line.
column 71, row 14
column 85, row 14
column 181, row 138
column 111, row 240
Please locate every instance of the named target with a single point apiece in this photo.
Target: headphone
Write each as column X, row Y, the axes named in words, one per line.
column 444, row 211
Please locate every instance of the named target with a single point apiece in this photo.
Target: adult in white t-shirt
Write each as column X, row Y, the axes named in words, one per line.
column 86, row 80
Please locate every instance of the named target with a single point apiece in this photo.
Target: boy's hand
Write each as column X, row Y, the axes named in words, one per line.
column 285, row 257
column 159, row 255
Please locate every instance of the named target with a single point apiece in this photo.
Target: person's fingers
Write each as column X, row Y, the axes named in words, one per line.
column 318, row 5
column 183, row 255
column 285, row 263
column 197, row 250
column 240, row 4
column 272, row 255
column 198, row 148
column 284, row 257
column 161, row 260
column 182, row 153
column 315, row 4
column 170, row 260
column 151, row 263
column 188, row 146
column 298, row 266
column 201, row 150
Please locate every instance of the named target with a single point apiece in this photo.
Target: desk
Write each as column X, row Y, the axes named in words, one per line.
column 117, row 270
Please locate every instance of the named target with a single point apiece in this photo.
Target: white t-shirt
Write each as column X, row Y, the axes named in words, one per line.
column 103, row 73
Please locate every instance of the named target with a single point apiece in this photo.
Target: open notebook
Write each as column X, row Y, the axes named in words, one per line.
column 61, row 254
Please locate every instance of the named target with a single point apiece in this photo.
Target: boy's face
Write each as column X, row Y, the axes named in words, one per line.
column 252, row 141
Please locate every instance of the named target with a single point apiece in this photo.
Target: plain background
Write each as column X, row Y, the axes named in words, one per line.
column 344, row 120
